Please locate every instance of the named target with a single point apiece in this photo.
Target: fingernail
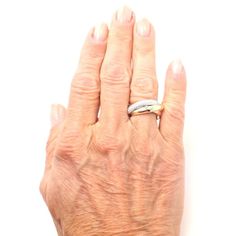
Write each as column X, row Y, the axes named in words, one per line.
column 57, row 114
column 100, row 32
column 177, row 67
column 124, row 15
column 143, row 27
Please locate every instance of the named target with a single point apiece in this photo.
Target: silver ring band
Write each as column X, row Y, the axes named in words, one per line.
column 142, row 103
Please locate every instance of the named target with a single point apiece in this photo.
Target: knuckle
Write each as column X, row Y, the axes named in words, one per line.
column 64, row 150
column 144, row 84
column 176, row 95
column 84, row 83
column 109, row 143
column 113, row 73
column 67, row 148
column 72, row 141
column 120, row 37
column 144, row 149
column 144, row 145
column 88, row 66
column 175, row 111
column 145, row 68
column 144, row 48
column 173, row 131
column 67, row 145
column 143, row 88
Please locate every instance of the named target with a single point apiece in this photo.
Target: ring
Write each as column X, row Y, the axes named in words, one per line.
column 145, row 107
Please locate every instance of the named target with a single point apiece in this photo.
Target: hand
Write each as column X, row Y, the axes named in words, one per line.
column 117, row 175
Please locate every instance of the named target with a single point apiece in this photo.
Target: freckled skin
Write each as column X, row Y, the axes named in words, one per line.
column 117, row 175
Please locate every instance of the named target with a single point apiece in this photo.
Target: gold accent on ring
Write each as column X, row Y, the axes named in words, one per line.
column 157, row 109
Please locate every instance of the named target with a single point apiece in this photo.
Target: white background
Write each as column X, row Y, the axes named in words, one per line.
column 39, row 48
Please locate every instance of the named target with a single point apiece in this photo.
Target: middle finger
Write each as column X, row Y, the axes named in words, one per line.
column 116, row 68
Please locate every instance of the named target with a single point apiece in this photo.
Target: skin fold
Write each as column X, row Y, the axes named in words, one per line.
column 107, row 173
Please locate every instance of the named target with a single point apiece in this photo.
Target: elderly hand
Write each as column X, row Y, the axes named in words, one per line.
column 108, row 173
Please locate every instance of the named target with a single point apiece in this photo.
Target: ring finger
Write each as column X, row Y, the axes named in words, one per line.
column 144, row 82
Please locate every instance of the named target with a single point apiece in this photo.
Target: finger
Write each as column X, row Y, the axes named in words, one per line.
column 143, row 86
column 85, row 88
column 57, row 116
column 115, row 73
column 144, row 81
column 172, row 119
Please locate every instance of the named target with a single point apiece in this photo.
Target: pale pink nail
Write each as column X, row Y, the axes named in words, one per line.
column 100, row 32
column 124, row 15
column 57, row 114
column 177, row 67
column 143, row 27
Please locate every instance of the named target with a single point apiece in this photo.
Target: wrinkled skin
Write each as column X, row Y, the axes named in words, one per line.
column 113, row 174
